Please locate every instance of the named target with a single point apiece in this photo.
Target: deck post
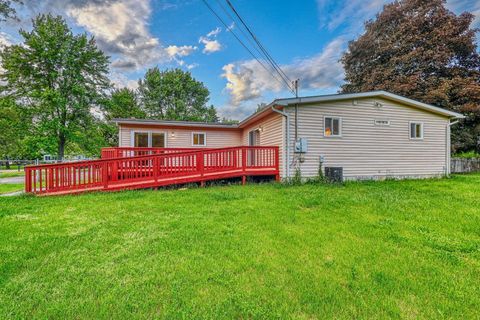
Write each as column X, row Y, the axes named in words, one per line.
column 244, row 159
column 277, row 163
column 201, row 162
column 28, row 180
column 50, row 179
column 244, row 165
column 105, row 175
column 115, row 171
column 155, row 169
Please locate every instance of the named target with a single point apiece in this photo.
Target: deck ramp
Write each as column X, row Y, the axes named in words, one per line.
column 138, row 168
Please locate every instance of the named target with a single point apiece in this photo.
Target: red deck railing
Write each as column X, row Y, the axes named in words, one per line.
column 151, row 170
column 122, row 152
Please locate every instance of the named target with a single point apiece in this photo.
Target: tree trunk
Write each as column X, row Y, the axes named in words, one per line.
column 7, row 164
column 61, row 147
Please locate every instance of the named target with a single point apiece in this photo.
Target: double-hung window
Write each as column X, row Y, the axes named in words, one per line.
column 332, row 127
column 199, row 139
column 416, row 130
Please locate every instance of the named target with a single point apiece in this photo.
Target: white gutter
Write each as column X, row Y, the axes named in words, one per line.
column 287, row 146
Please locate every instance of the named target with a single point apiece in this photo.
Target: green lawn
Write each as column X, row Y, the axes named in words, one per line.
column 8, row 187
column 372, row 250
column 11, row 173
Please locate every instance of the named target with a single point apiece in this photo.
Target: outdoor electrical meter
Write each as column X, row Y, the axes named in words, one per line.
column 301, row 145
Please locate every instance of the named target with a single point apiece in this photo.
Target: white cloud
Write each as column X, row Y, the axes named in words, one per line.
column 5, row 40
column 239, row 112
column 248, row 80
column 119, row 80
column 182, row 51
column 121, row 28
column 192, row 66
column 214, row 32
column 210, row 43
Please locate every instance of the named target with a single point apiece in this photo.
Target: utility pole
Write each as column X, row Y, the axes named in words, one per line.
column 295, row 86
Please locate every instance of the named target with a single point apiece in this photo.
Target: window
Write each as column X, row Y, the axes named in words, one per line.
column 158, row 140
column 145, row 139
column 416, row 130
column 141, row 139
column 333, row 127
column 199, row 139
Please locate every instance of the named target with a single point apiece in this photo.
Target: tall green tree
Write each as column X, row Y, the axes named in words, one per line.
column 123, row 103
column 12, row 129
column 421, row 50
column 175, row 95
column 59, row 76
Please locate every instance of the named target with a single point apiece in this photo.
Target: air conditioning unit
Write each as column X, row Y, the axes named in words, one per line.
column 334, row 174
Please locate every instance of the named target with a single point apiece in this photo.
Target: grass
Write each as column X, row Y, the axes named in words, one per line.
column 371, row 250
column 467, row 155
column 7, row 188
column 11, row 173
column 12, row 167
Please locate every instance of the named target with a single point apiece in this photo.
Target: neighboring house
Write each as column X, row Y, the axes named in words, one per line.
column 368, row 135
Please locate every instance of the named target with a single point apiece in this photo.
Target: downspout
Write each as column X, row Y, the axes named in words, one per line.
column 448, row 148
column 287, row 145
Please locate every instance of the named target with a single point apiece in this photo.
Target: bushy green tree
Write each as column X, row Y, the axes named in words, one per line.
column 123, row 103
column 421, row 50
column 58, row 76
column 12, row 129
column 175, row 95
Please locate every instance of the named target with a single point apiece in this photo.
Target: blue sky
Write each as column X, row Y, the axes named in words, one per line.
column 306, row 37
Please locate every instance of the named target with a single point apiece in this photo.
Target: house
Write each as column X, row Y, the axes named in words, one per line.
column 370, row 135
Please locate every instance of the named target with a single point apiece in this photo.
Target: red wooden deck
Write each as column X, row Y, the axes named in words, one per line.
column 136, row 168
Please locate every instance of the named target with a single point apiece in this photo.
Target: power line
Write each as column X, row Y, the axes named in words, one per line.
column 262, row 48
column 239, row 40
column 224, row 9
column 259, row 50
column 243, row 44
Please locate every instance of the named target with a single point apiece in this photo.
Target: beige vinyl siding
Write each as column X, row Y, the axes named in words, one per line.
column 272, row 134
column 183, row 137
column 366, row 150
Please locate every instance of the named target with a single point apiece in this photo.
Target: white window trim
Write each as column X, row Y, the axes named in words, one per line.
column 410, row 128
column 204, row 140
column 149, row 132
column 340, row 129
